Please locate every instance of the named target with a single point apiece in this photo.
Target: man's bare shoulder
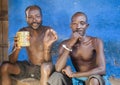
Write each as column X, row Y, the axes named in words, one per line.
column 95, row 39
column 24, row 29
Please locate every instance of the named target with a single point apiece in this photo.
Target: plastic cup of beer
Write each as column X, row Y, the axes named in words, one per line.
column 23, row 38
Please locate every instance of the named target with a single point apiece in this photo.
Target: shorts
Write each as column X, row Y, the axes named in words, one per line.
column 27, row 70
column 58, row 78
column 85, row 80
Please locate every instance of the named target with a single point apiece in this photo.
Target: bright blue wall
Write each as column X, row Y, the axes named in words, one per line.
column 103, row 17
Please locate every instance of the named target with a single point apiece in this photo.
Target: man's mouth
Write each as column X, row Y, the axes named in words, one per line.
column 81, row 32
column 35, row 25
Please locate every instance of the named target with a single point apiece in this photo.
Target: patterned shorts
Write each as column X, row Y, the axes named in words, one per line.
column 28, row 70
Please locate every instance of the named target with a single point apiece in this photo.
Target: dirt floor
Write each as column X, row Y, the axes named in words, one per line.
column 115, row 81
column 112, row 80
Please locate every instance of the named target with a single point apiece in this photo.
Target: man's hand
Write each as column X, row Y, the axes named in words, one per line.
column 16, row 45
column 74, row 38
column 50, row 37
column 75, row 35
column 78, row 33
column 68, row 71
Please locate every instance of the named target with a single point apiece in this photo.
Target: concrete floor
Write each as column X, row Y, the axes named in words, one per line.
column 115, row 81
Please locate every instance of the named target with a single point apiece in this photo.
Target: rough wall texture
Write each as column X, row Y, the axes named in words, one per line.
column 103, row 17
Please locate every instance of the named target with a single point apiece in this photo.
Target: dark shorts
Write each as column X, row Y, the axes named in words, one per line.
column 28, row 70
column 59, row 79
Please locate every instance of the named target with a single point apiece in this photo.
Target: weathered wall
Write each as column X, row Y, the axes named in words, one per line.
column 103, row 17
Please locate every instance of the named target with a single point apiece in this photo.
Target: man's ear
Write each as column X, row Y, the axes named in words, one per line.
column 87, row 26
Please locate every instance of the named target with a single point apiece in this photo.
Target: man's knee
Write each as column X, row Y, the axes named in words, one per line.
column 46, row 68
column 94, row 81
column 4, row 68
column 56, row 76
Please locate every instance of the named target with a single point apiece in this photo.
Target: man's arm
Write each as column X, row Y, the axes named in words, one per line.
column 49, row 38
column 16, row 49
column 46, row 52
column 64, row 49
column 62, row 59
column 14, row 55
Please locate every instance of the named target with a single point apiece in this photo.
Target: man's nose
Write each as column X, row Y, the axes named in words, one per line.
column 78, row 25
column 34, row 19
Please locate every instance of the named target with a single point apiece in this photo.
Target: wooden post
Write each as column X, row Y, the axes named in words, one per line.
column 3, row 30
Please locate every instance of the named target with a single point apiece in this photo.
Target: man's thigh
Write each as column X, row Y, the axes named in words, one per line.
column 59, row 79
column 96, row 77
column 27, row 70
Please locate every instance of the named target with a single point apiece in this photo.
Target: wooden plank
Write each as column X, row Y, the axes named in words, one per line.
column 5, row 32
column 4, row 10
column 5, row 5
column 5, row 53
column 5, row 40
column 1, row 35
column 0, row 8
column 1, row 55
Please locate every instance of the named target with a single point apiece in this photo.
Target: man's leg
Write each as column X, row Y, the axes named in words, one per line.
column 46, row 70
column 95, row 80
column 59, row 79
column 6, row 70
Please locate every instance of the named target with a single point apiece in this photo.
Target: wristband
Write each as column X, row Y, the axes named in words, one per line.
column 64, row 46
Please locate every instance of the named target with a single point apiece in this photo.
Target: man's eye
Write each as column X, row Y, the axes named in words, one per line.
column 38, row 16
column 82, row 23
column 29, row 17
column 74, row 24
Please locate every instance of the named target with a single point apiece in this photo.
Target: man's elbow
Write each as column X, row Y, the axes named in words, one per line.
column 12, row 61
column 103, row 70
column 57, row 68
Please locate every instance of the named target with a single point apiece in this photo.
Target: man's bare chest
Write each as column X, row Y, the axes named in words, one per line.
column 36, row 42
column 83, row 51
